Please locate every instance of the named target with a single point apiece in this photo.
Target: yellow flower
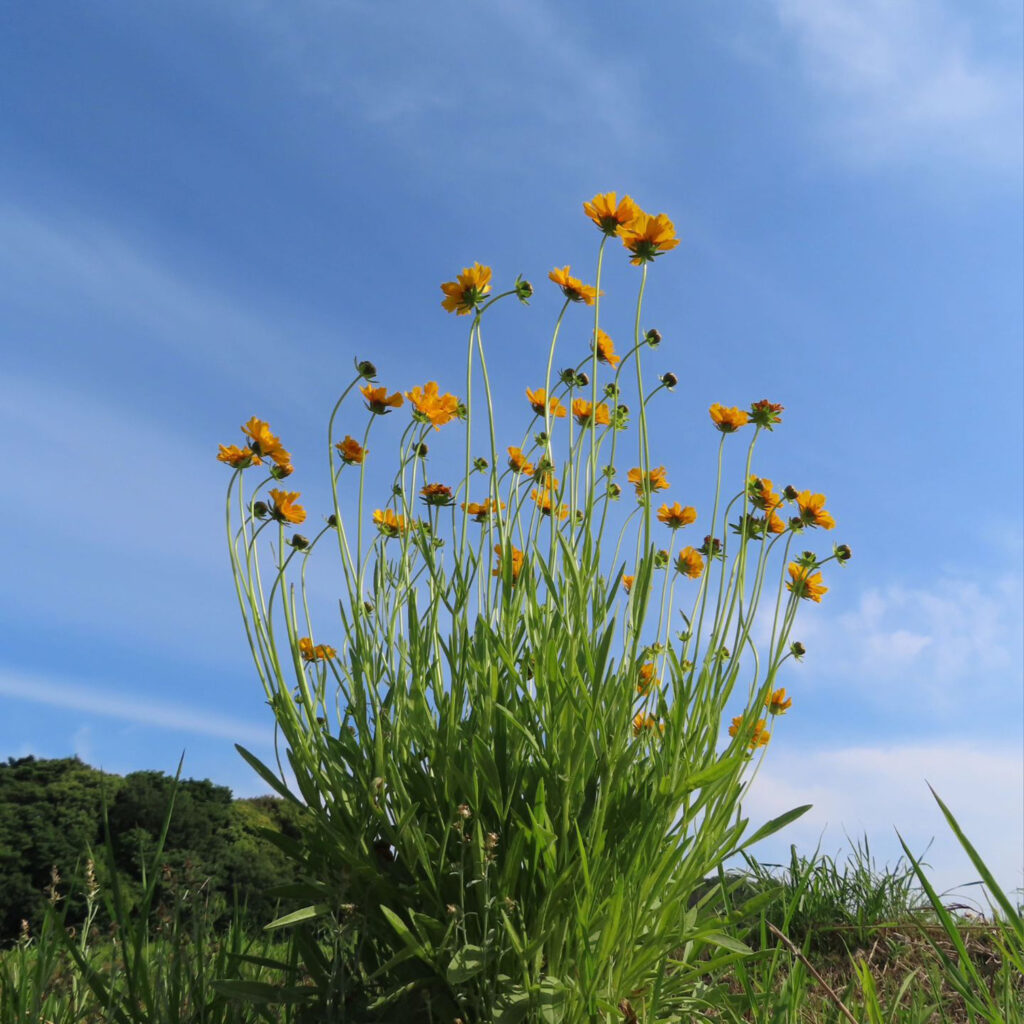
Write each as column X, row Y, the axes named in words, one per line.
column 482, row 511
column 775, row 523
column 804, row 584
column 517, row 461
column 545, row 502
column 572, row 287
column 727, row 420
column 606, row 349
column 237, row 458
column 654, row 481
column 266, row 444
column 516, row 562
column 627, row 583
column 463, row 294
column 646, row 237
column 378, row 401
column 536, row 400
column 351, row 451
column 813, row 511
column 608, row 214
column 759, row 490
column 284, row 509
column 437, row 494
column 645, row 679
column 322, row 652
column 430, row 407
column 690, row 563
column 776, row 702
column 388, row 523
column 676, row 515
column 581, row 410
column 642, row 721
column 759, row 737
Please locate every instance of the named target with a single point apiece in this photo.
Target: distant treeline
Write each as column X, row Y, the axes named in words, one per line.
column 51, row 816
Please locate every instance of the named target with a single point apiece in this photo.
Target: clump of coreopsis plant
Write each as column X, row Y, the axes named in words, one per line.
column 515, row 771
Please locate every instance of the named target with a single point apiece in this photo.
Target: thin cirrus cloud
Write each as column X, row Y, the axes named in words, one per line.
column 908, row 82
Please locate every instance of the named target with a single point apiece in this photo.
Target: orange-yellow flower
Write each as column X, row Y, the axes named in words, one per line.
column 606, row 349
column 690, row 563
column 482, row 511
column 546, row 503
column 765, row 413
column 646, row 237
column 645, row 679
column 237, row 458
column 727, row 419
column 813, row 511
column 627, row 583
column 642, row 721
column 805, row 583
column 776, row 702
column 775, row 523
column 431, row 407
column 351, row 451
column 266, row 444
column 388, row 523
column 284, row 509
column 322, row 652
column 463, row 294
column 653, row 481
column 516, row 558
column 582, row 411
column 676, row 515
column 608, row 214
column 761, row 495
column 517, row 461
column 537, row 398
column 378, row 401
column 572, row 287
column 437, row 494
column 759, row 737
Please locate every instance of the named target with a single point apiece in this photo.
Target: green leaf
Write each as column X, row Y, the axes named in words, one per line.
column 411, row 943
column 467, row 963
column 266, row 774
column 725, row 942
column 775, row 824
column 262, row 992
column 304, row 914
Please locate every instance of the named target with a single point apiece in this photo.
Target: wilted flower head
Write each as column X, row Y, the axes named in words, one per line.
column 647, row 237
column 646, row 680
column 776, row 702
column 437, row 494
column 727, row 420
column 378, row 401
column 676, row 516
column 572, row 287
column 351, row 451
column 431, row 407
column 765, row 413
column 627, row 583
column 536, row 399
column 605, row 349
column 472, row 285
column 759, row 736
column 284, row 509
column 608, row 214
column 321, row 652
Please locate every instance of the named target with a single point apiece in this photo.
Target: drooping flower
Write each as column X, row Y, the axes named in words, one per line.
column 471, row 287
column 237, row 458
column 777, row 703
column 438, row 495
column 582, row 411
column 388, row 523
column 351, row 451
column 676, row 515
column 646, row 237
column 321, row 652
column 655, row 480
column 517, row 461
column 482, row 511
column 378, row 401
column 690, row 563
column 805, row 582
column 284, row 509
column 759, row 736
column 627, row 583
column 605, row 349
column 516, row 560
column 431, row 407
column 645, row 679
column 774, row 523
column 727, row 420
column 537, row 398
column 610, row 215
column 813, row 511
column 572, row 287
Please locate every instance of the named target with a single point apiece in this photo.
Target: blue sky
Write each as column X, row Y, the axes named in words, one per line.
column 208, row 210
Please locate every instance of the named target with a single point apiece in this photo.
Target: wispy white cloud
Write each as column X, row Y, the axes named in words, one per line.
column 874, row 790
column 68, row 694
column 909, row 81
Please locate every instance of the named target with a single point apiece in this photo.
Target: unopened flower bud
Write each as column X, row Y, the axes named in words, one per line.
column 480, row 464
column 366, row 369
column 368, row 607
column 661, row 559
column 299, row 542
column 462, row 410
column 524, row 290
column 260, row 510
column 614, row 491
column 396, row 490
column 421, row 450
column 332, row 521
column 670, row 380
column 611, row 390
column 797, row 649
column 653, row 338
column 843, row 552
column 790, row 492
column 280, row 472
column 541, row 438
column 582, row 380
column 568, row 377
